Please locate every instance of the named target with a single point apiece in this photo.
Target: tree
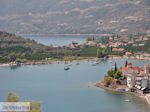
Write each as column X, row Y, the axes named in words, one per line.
column 34, row 106
column 126, row 63
column 108, row 80
column 98, row 53
column 117, row 74
column 115, row 67
column 12, row 56
column 111, row 73
column 12, row 97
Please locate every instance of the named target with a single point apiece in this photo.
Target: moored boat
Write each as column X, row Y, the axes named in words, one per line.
column 66, row 68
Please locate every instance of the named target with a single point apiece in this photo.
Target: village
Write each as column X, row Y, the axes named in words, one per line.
column 122, row 45
column 134, row 80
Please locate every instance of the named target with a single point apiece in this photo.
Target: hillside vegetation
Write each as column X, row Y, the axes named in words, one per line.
column 74, row 16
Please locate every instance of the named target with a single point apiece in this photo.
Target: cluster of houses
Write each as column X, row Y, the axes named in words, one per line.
column 138, row 78
column 116, row 43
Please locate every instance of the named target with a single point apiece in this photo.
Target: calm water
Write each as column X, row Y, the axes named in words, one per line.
column 67, row 91
column 59, row 40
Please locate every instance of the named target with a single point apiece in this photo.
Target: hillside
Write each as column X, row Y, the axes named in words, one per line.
column 14, row 47
column 74, row 16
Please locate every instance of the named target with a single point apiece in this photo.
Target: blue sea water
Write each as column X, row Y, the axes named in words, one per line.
column 57, row 40
column 68, row 91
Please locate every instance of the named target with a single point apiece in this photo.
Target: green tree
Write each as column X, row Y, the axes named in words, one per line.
column 34, row 106
column 12, row 56
column 117, row 74
column 111, row 73
column 126, row 63
column 108, row 80
column 12, row 97
column 115, row 67
column 98, row 53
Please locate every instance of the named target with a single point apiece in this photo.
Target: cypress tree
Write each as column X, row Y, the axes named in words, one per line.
column 126, row 63
column 115, row 67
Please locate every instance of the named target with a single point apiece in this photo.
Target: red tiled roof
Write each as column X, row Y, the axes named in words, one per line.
column 129, row 63
column 124, row 68
column 118, row 49
column 137, row 68
column 142, row 71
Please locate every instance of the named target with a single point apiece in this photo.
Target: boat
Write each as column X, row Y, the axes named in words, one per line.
column 69, row 65
column 66, row 68
column 95, row 63
column 127, row 100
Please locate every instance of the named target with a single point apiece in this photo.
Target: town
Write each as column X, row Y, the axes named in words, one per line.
column 130, row 79
column 128, row 46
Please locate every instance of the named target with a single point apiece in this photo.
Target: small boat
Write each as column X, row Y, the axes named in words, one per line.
column 66, row 68
column 127, row 100
column 95, row 63
column 69, row 65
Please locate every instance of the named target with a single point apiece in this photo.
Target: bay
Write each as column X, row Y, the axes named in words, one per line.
column 68, row 91
column 57, row 40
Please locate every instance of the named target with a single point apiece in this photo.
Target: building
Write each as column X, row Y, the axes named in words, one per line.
column 138, row 78
column 117, row 49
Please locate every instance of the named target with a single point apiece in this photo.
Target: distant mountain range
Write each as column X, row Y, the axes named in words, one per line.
column 74, row 16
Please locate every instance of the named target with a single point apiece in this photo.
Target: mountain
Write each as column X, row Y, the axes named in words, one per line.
column 74, row 16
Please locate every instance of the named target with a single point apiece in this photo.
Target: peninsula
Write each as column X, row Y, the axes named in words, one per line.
column 128, row 79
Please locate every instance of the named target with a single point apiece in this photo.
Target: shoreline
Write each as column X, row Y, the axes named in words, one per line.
column 43, row 62
column 144, row 97
column 131, row 57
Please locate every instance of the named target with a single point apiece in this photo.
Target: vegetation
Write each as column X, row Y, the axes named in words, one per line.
column 16, row 48
column 108, row 80
column 111, row 75
column 34, row 106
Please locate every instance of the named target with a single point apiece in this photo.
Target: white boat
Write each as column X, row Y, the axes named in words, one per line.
column 127, row 100
column 66, row 68
column 95, row 63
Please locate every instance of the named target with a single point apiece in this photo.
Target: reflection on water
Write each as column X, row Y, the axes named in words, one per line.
column 14, row 67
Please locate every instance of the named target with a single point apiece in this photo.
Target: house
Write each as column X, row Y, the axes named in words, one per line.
column 101, row 45
column 137, row 77
column 72, row 46
column 145, row 38
column 91, row 43
column 128, row 53
column 118, row 49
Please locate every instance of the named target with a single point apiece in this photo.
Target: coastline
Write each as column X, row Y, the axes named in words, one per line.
column 44, row 62
column 144, row 97
column 130, row 57
column 78, row 59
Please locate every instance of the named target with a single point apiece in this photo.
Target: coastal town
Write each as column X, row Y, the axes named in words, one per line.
column 133, row 80
column 121, row 45
column 113, row 46
column 75, row 55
